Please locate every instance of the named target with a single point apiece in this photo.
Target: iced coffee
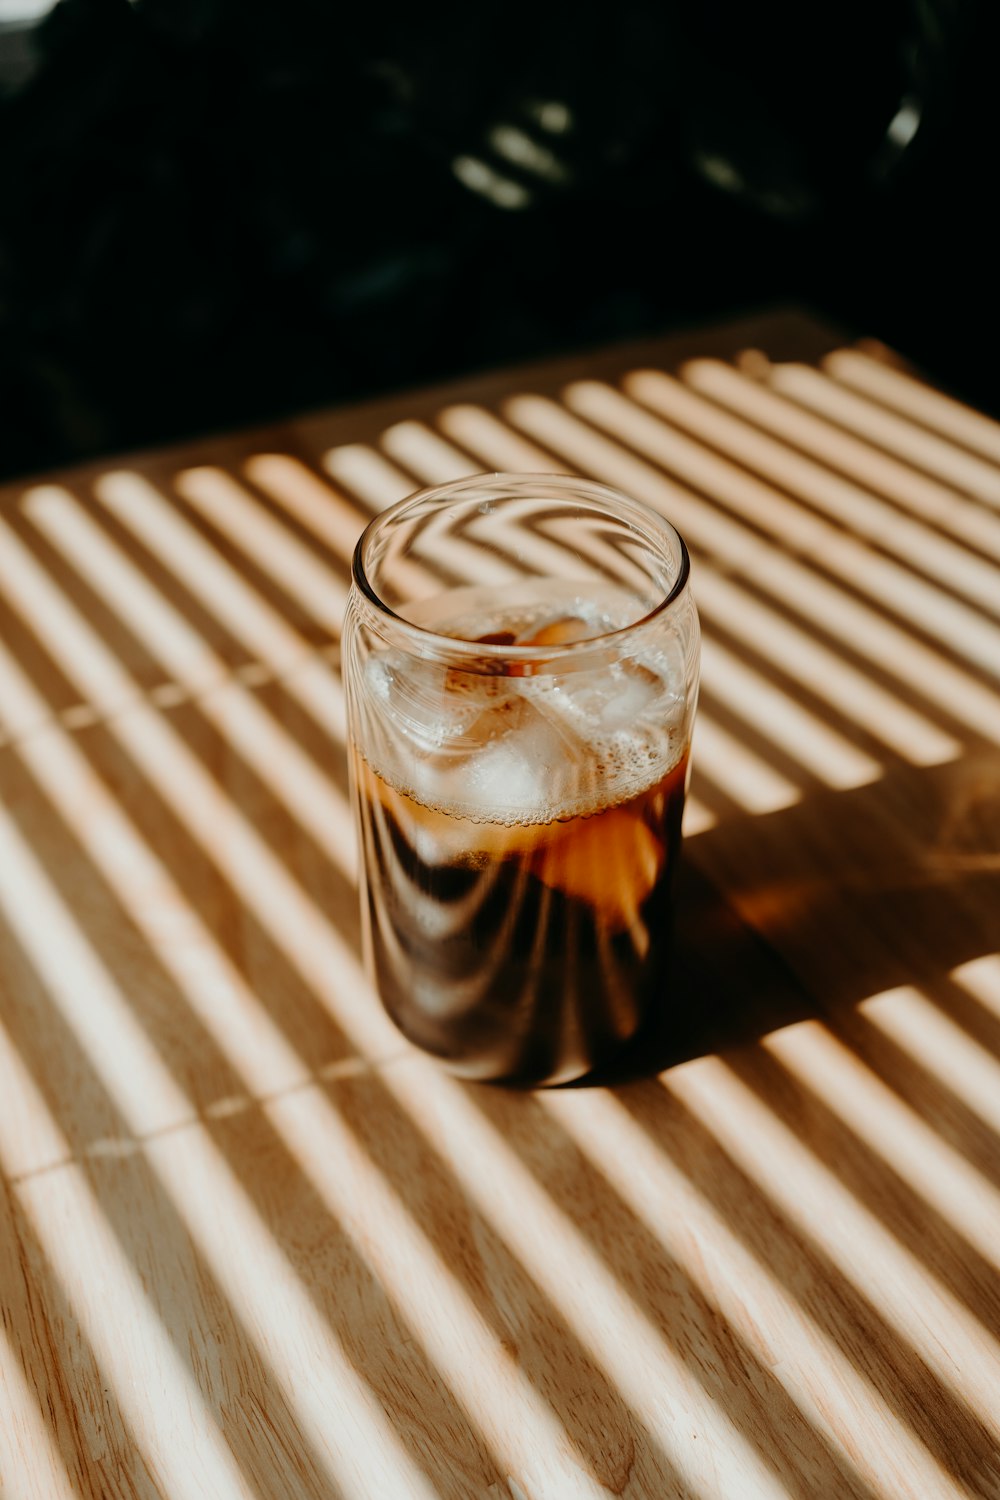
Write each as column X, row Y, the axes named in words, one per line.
column 519, row 798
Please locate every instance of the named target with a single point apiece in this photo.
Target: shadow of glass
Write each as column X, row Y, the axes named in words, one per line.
column 831, row 901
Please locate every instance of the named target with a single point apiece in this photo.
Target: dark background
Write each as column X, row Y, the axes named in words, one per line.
column 215, row 213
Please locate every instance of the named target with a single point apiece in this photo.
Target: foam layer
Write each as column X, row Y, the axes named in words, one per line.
column 526, row 750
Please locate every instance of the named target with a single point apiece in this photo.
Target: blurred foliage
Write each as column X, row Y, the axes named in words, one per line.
column 215, row 212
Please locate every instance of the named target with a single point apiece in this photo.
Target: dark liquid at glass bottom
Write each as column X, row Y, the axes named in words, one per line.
column 527, row 954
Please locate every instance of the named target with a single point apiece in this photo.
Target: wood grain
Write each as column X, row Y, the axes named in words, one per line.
column 251, row 1244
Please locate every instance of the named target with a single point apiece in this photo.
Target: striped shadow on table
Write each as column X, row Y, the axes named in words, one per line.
column 250, row 1244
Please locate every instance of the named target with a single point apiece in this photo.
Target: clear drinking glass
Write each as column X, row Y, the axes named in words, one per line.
column 521, row 657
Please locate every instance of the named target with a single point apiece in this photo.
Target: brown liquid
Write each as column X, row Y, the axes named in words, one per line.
column 523, row 953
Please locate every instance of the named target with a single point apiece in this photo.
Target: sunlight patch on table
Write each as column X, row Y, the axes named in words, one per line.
column 178, row 937
column 778, row 718
column 748, row 1294
column 906, row 439
column 115, row 1045
column 30, row 1463
column 923, row 1030
column 307, row 580
column 980, row 977
column 747, row 780
column 494, row 444
column 134, row 1352
column 914, row 398
column 319, row 953
column 220, row 589
column 845, row 503
column 909, row 488
column 425, row 453
column 728, row 543
column 317, row 506
column 698, row 817
column 367, row 474
column 182, row 651
column 255, row 734
column 864, row 1252
column 883, row 1123
column 687, row 449
column 825, row 674
column 519, row 1428
column 615, row 1330
column 96, row 671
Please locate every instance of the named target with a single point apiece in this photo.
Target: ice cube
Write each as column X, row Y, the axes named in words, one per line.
column 524, row 763
column 465, row 772
column 637, row 691
column 620, row 696
column 430, row 704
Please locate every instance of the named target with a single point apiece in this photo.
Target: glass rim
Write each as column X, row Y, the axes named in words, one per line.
column 491, row 658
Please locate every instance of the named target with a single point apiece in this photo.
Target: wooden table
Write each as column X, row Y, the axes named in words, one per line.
column 253, row 1245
